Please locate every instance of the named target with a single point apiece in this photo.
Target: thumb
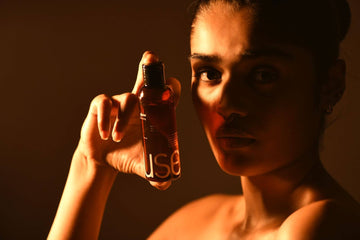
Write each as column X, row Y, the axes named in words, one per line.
column 147, row 58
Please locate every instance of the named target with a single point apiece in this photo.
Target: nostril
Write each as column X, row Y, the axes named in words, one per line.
column 232, row 117
column 232, row 101
column 231, row 109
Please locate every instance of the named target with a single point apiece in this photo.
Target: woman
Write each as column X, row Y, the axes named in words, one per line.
column 265, row 74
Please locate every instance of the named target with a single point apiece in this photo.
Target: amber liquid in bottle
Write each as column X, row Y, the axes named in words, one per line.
column 157, row 114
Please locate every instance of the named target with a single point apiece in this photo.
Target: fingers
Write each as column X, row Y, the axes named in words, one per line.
column 127, row 104
column 115, row 112
column 161, row 185
column 175, row 85
column 147, row 58
column 101, row 107
column 140, row 170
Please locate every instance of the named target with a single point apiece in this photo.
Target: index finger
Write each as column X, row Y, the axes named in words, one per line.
column 147, row 58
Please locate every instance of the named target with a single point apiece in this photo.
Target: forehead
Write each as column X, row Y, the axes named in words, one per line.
column 230, row 35
column 221, row 28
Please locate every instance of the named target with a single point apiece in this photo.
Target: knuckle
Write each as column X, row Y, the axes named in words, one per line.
column 124, row 99
column 99, row 98
column 127, row 96
column 105, row 102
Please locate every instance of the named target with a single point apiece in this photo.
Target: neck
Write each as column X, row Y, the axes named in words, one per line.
column 275, row 195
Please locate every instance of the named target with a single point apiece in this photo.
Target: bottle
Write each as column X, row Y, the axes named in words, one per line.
column 157, row 114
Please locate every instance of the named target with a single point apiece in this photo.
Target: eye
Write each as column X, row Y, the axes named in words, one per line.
column 209, row 75
column 264, row 75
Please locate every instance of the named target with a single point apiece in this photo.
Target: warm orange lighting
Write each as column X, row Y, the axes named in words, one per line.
column 166, row 95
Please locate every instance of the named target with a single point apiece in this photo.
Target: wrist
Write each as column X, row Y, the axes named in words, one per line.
column 83, row 201
column 92, row 169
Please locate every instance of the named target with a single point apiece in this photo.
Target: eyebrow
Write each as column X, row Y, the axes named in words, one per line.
column 205, row 57
column 247, row 54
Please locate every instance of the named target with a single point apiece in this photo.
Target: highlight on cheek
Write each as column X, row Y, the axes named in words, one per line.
column 254, row 93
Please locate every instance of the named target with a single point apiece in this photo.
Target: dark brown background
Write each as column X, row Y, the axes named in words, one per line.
column 55, row 56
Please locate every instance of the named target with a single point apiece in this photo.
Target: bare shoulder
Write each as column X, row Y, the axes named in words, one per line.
column 325, row 219
column 194, row 218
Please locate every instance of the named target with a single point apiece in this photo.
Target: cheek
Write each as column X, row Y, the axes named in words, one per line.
column 205, row 106
column 196, row 99
column 293, row 123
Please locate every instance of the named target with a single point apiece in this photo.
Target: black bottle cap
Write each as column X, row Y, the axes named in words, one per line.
column 154, row 74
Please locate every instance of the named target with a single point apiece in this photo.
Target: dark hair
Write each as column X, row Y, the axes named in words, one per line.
column 317, row 25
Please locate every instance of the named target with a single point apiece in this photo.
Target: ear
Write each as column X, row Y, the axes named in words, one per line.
column 334, row 86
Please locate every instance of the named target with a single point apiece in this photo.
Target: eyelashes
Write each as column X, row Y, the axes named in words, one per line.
column 260, row 75
column 265, row 75
column 208, row 75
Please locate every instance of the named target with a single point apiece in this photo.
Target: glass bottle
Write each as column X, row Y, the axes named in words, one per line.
column 158, row 120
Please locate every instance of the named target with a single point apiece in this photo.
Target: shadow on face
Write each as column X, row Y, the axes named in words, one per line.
column 256, row 94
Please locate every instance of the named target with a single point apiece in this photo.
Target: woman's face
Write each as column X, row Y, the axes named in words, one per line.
column 255, row 98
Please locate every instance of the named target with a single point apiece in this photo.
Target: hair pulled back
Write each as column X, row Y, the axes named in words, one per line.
column 318, row 25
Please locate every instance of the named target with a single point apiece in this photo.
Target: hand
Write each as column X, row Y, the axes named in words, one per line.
column 111, row 134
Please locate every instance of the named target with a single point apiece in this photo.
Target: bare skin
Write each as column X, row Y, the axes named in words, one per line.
column 257, row 104
column 330, row 214
column 260, row 110
column 110, row 142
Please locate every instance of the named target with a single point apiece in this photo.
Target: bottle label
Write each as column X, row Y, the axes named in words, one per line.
column 164, row 170
column 161, row 152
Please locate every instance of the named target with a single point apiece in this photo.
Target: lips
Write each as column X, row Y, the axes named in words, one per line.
column 235, row 142
column 233, row 138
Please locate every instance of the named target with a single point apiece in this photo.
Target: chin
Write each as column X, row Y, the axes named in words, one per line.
column 235, row 165
column 242, row 164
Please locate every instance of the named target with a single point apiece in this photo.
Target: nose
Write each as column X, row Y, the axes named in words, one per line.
column 233, row 98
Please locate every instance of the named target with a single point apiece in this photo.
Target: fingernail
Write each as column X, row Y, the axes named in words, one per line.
column 117, row 137
column 105, row 135
column 150, row 57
